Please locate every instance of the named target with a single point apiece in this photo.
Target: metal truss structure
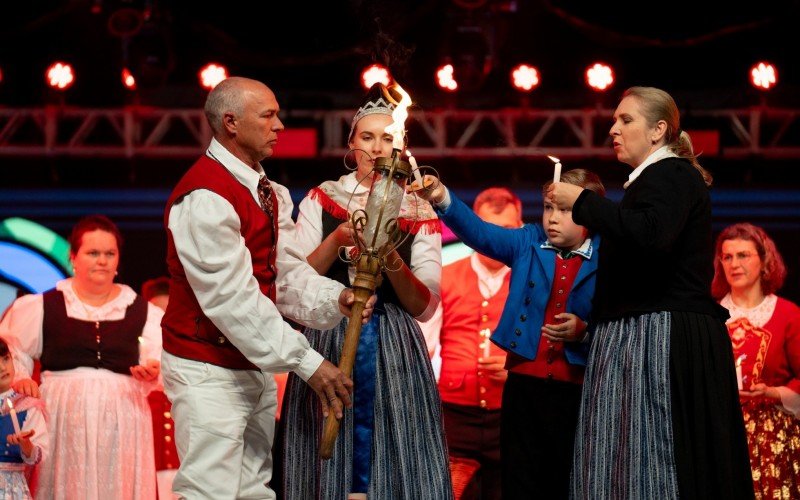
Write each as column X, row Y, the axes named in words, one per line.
column 131, row 132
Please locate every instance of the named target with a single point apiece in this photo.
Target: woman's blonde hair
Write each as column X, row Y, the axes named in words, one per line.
column 658, row 105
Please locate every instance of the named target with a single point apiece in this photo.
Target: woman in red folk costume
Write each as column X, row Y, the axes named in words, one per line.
column 765, row 332
column 391, row 443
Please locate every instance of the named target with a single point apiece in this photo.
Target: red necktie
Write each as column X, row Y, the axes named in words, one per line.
column 265, row 196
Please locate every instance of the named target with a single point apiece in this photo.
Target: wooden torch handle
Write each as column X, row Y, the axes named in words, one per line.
column 363, row 288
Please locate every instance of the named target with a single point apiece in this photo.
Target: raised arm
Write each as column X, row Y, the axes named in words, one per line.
column 664, row 202
column 489, row 239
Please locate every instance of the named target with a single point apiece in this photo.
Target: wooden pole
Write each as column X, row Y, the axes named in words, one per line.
column 368, row 272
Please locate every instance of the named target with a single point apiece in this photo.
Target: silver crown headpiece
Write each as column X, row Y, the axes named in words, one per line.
column 377, row 107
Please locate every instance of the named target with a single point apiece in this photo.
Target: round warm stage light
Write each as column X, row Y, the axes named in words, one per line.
column 60, row 76
column 375, row 73
column 445, row 78
column 599, row 77
column 525, row 77
column 763, row 75
column 211, row 74
column 128, row 80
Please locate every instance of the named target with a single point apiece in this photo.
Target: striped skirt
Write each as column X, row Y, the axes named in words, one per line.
column 409, row 455
column 659, row 413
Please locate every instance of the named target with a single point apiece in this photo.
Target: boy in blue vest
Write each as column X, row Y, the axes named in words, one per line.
column 544, row 330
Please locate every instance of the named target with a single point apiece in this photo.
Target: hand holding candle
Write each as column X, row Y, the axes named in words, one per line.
column 557, row 169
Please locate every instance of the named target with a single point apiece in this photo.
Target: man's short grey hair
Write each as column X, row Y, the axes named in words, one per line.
column 226, row 97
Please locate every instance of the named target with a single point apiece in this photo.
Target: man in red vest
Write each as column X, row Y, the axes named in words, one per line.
column 474, row 292
column 233, row 271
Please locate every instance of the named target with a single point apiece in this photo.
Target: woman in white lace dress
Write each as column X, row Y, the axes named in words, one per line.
column 99, row 345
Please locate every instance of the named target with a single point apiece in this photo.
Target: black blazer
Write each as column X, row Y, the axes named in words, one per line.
column 657, row 244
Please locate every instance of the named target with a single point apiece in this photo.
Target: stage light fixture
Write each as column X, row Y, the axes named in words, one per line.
column 524, row 77
column 763, row 75
column 211, row 74
column 599, row 77
column 445, row 78
column 375, row 73
column 128, row 80
column 60, row 75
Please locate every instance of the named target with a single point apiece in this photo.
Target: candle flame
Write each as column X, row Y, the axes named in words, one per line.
column 740, row 359
column 397, row 129
column 10, row 404
column 554, row 159
column 408, row 152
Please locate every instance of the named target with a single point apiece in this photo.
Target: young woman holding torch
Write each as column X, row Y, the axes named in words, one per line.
column 391, row 443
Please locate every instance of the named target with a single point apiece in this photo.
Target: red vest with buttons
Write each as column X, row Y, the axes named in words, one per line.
column 187, row 332
column 467, row 321
column 550, row 362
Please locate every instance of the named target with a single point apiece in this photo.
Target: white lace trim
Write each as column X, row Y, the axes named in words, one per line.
column 113, row 309
column 757, row 316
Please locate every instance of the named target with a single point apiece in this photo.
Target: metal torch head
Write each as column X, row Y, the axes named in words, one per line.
column 393, row 166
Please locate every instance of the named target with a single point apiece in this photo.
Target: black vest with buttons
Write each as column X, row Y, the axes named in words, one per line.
column 69, row 343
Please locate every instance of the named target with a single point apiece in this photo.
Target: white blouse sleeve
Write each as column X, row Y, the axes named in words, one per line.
column 790, row 401
column 21, row 328
column 309, row 225
column 426, row 264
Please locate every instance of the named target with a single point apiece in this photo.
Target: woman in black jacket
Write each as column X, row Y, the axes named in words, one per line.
column 660, row 416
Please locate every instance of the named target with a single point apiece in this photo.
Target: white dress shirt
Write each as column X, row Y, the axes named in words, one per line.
column 207, row 234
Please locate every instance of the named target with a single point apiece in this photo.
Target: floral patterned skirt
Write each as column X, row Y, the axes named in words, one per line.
column 13, row 485
column 774, row 440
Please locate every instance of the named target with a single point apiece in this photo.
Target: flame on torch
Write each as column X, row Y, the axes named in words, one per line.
column 397, row 128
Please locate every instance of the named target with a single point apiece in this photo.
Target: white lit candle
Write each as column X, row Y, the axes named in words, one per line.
column 557, row 169
column 486, row 343
column 141, row 350
column 414, row 168
column 13, row 413
column 739, row 371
